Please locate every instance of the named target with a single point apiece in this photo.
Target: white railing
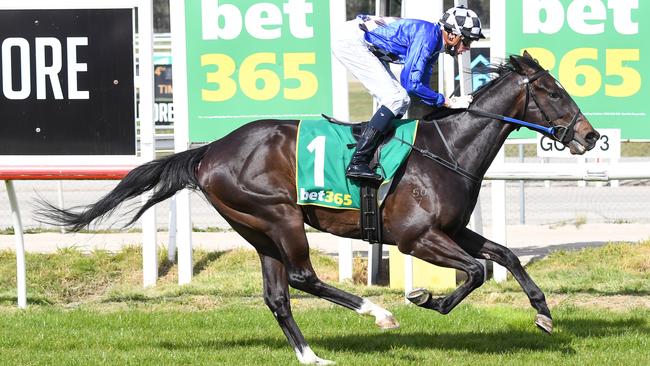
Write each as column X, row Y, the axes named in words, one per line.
column 569, row 172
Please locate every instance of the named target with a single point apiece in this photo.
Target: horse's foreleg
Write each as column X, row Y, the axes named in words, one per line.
column 437, row 248
column 276, row 297
column 481, row 247
column 301, row 275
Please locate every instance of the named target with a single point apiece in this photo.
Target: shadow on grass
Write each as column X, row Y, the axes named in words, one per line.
column 593, row 291
column 205, row 261
column 165, row 266
column 494, row 342
column 474, row 342
column 13, row 300
column 590, row 328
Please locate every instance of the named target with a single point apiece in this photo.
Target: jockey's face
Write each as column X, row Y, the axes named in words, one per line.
column 455, row 44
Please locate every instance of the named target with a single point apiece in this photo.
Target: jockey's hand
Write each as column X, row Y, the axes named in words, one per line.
column 460, row 102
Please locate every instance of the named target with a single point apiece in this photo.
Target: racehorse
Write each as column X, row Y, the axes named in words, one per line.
column 249, row 176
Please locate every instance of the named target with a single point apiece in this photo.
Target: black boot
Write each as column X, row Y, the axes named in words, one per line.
column 368, row 143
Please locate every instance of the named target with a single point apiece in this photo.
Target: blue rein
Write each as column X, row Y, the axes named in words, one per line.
column 545, row 130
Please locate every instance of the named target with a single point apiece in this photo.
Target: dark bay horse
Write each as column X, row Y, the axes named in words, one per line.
column 249, row 177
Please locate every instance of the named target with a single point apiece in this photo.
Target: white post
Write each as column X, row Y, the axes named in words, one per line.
column 464, row 63
column 184, row 217
column 345, row 259
column 499, row 217
column 547, row 183
column 497, row 54
column 615, row 182
column 582, row 162
column 181, row 138
column 147, row 148
column 380, row 7
column 20, row 246
column 171, row 247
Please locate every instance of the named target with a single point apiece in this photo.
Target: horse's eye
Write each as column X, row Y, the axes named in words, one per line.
column 554, row 95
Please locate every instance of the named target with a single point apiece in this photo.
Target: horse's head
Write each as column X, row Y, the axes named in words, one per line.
column 549, row 105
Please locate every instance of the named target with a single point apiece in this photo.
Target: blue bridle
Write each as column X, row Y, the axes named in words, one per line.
column 563, row 134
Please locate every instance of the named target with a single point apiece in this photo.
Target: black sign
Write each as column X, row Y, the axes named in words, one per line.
column 164, row 95
column 163, row 83
column 67, row 82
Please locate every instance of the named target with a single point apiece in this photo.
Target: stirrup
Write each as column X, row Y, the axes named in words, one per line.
column 362, row 171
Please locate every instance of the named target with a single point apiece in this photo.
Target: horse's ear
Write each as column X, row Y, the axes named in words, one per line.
column 527, row 56
column 516, row 65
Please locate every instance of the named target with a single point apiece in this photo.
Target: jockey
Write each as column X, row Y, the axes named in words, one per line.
column 367, row 44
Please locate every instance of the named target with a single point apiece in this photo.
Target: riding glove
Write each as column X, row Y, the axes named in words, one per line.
column 460, row 102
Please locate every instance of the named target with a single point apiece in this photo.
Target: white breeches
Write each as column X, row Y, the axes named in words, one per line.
column 349, row 47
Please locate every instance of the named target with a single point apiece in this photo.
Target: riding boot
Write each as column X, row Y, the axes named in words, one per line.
column 368, row 143
column 358, row 167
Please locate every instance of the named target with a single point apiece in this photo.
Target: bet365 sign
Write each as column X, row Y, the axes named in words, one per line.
column 597, row 49
column 252, row 59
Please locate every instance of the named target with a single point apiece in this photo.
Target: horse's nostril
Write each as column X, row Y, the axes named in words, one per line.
column 592, row 137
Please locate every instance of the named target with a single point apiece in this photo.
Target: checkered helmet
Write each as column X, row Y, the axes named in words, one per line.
column 462, row 21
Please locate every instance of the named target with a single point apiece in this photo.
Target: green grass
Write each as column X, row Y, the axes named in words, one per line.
column 615, row 269
column 249, row 336
column 90, row 309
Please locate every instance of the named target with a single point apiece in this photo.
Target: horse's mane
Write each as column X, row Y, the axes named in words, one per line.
column 496, row 72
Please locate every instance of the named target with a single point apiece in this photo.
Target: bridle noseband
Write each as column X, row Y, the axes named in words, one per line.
column 563, row 134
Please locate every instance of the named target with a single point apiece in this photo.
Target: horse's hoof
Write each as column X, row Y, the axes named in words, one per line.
column 387, row 323
column 318, row 361
column 321, row 361
column 308, row 357
column 419, row 296
column 544, row 323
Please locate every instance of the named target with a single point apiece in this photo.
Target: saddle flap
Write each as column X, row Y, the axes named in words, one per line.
column 322, row 156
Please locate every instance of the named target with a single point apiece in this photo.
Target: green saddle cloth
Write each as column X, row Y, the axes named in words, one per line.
column 322, row 155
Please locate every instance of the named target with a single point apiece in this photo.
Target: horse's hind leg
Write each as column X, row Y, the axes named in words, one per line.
column 276, row 297
column 276, row 292
column 437, row 248
column 301, row 275
column 481, row 247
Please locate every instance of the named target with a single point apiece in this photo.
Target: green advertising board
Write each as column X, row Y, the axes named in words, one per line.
column 596, row 49
column 252, row 59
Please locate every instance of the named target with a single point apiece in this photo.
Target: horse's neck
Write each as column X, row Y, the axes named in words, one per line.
column 477, row 140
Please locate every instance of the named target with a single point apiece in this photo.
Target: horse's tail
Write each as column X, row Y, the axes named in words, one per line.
column 164, row 176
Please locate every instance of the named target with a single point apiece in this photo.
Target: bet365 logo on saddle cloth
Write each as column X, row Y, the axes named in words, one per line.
column 322, row 154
